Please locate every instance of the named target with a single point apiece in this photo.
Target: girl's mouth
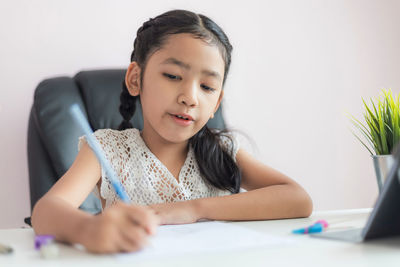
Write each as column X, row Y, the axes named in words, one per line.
column 183, row 116
column 182, row 119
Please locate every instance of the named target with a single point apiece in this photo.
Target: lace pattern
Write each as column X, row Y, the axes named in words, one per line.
column 146, row 179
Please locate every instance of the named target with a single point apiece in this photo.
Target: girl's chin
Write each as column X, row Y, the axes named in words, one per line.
column 177, row 139
column 177, row 136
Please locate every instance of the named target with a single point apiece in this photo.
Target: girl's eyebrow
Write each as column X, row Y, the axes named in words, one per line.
column 186, row 66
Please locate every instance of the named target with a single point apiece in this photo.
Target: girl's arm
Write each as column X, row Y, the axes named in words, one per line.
column 120, row 228
column 271, row 195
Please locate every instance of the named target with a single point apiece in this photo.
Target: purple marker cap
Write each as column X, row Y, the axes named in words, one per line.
column 42, row 240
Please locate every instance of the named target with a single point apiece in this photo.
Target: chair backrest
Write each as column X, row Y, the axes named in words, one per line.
column 53, row 136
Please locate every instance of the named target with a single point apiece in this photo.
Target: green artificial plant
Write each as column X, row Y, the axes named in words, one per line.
column 382, row 124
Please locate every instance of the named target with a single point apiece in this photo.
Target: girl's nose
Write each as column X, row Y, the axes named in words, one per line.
column 188, row 94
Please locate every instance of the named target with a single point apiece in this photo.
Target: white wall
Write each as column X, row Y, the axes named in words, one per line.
column 297, row 67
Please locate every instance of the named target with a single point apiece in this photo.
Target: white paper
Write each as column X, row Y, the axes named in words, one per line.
column 172, row 240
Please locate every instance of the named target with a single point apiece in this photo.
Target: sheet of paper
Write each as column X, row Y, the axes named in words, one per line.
column 172, row 240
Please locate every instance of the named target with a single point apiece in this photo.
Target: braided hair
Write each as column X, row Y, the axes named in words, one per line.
column 215, row 163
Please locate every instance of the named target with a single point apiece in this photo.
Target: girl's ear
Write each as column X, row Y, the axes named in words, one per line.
column 218, row 103
column 132, row 78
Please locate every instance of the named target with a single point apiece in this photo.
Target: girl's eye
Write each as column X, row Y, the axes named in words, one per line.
column 205, row 87
column 172, row 77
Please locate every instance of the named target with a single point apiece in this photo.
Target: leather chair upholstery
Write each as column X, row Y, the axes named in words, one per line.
column 53, row 135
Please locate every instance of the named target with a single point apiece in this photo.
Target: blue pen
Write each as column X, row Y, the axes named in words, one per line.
column 82, row 122
column 317, row 227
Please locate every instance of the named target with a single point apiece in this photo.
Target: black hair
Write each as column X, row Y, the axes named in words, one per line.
column 215, row 163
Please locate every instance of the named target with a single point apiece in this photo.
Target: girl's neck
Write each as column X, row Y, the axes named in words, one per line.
column 165, row 151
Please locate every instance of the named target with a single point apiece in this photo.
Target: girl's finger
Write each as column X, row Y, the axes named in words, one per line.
column 132, row 238
column 145, row 218
column 125, row 245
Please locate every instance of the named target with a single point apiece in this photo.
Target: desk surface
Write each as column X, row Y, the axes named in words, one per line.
column 305, row 251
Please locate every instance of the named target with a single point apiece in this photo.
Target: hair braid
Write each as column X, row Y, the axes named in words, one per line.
column 127, row 107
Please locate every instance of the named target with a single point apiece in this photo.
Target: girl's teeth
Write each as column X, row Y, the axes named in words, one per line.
column 180, row 117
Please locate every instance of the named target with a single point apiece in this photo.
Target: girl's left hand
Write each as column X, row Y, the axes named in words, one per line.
column 176, row 212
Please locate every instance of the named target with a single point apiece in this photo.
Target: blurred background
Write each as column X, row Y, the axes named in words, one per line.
column 297, row 68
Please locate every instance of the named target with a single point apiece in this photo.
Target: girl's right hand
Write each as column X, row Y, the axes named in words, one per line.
column 119, row 228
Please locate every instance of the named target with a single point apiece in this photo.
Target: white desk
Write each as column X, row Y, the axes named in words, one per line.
column 305, row 251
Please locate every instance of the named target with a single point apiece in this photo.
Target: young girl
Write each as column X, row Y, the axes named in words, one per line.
column 175, row 170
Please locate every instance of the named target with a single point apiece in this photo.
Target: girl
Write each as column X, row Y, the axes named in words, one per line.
column 175, row 170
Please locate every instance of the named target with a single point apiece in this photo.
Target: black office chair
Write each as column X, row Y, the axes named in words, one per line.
column 53, row 135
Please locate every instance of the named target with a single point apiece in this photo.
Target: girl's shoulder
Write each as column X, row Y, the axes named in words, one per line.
column 116, row 134
column 112, row 138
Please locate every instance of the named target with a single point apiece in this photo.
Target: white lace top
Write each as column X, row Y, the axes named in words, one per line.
column 146, row 180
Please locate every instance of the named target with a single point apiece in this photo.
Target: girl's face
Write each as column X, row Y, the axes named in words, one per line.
column 181, row 90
